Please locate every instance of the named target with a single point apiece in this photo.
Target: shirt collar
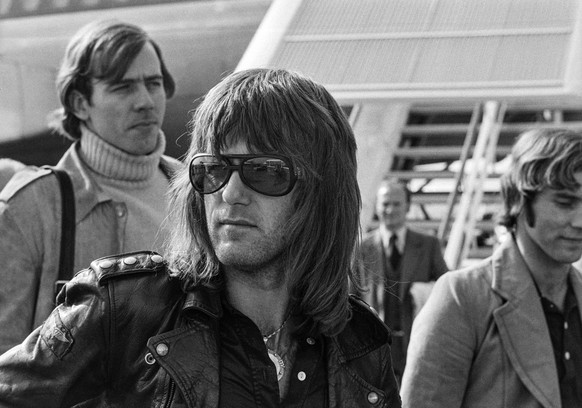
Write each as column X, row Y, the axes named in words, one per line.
column 400, row 233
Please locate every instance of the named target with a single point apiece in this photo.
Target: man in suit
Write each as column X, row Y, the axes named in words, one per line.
column 394, row 258
column 507, row 331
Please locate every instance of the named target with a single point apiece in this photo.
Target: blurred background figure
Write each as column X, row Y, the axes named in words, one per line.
column 398, row 267
column 113, row 85
column 7, row 169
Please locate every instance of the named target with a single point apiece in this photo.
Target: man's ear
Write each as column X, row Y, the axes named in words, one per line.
column 80, row 105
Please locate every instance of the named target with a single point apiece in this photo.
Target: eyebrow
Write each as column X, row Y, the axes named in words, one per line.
column 567, row 194
column 138, row 80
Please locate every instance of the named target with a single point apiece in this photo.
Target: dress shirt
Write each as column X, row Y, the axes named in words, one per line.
column 401, row 239
column 248, row 377
column 566, row 334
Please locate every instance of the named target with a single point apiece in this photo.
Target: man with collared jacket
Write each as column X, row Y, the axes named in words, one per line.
column 251, row 305
column 113, row 86
column 506, row 332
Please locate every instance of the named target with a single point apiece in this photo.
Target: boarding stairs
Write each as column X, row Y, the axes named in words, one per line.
column 452, row 159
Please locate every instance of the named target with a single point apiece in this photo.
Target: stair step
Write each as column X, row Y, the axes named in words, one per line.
column 441, row 198
column 486, row 225
column 442, row 152
column 432, row 174
column 461, row 129
column 415, row 174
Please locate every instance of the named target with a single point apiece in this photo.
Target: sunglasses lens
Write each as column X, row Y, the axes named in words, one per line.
column 267, row 175
column 207, row 174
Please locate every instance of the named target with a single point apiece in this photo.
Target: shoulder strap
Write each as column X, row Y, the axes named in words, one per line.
column 67, row 256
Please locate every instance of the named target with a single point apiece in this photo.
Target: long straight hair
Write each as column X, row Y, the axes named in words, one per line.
column 287, row 113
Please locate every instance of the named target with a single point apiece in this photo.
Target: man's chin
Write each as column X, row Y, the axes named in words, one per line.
column 145, row 145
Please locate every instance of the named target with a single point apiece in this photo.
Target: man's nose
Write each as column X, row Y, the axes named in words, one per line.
column 235, row 191
column 143, row 97
column 389, row 209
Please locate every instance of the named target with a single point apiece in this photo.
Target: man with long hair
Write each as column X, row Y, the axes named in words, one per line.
column 251, row 307
column 113, row 86
column 507, row 332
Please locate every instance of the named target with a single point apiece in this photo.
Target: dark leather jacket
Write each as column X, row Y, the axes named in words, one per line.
column 126, row 335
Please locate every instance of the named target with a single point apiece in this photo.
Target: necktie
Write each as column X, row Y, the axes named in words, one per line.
column 394, row 252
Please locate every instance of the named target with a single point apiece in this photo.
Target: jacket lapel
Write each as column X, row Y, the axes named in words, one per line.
column 362, row 336
column 576, row 280
column 195, row 370
column 522, row 326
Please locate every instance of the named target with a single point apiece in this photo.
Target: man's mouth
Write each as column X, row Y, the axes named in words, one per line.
column 237, row 222
column 146, row 123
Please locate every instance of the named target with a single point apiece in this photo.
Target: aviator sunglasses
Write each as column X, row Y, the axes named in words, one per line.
column 268, row 174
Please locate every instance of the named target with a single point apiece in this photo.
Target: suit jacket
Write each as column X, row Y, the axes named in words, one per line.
column 482, row 340
column 422, row 261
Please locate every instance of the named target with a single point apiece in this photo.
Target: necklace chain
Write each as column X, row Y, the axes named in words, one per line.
column 267, row 337
column 275, row 358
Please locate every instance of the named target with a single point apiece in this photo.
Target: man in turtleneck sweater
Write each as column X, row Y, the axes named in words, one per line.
column 113, row 85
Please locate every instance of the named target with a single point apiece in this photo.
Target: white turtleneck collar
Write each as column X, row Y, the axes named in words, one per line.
column 110, row 162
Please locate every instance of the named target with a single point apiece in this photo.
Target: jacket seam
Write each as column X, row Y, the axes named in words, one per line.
column 111, row 324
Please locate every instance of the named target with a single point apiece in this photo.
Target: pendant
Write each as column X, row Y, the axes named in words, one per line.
column 278, row 362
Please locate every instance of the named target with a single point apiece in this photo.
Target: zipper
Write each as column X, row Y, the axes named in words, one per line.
column 171, row 393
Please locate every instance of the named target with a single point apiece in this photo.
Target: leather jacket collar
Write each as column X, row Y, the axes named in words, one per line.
column 358, row 351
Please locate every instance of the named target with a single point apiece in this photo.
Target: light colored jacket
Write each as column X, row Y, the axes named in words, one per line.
column 30, row 237
column 482, row 340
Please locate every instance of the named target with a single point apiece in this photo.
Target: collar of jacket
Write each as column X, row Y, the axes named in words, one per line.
column 88, row 194
column 190, row 352
column 351, row 343
column 204, row 300
column 519, row 283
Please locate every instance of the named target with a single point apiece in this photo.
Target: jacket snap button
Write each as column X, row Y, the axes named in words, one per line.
column 157, row 259
column 301, row 376
column 130, row 260
column 310, row 341
column 149, row 359
column 373, row 398
column 162, row 349
column 120, row 210
column 105, row 264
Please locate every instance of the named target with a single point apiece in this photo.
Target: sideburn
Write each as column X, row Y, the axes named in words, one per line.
column 529, row 213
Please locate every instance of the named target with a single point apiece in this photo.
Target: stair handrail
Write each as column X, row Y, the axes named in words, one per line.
column 452, row 197
column 485, row 165
column 459, row 233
